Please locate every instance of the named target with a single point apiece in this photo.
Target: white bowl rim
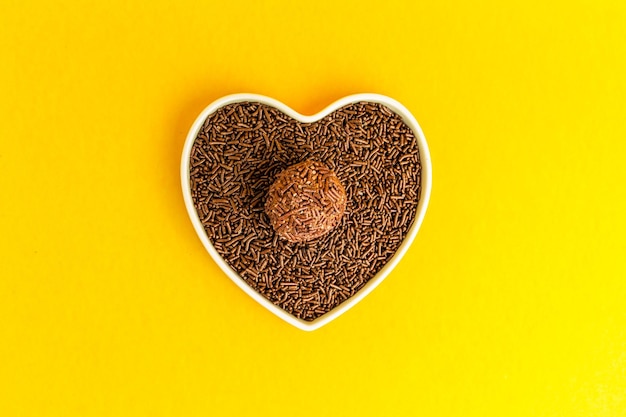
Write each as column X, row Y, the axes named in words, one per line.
column 426, row 185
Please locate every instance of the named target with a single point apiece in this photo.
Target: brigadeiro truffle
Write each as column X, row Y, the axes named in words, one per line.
column 305, row 201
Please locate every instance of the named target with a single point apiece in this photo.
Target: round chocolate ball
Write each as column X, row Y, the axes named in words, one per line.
column 305, row 201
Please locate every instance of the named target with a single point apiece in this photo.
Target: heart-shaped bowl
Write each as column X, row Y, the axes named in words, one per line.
column 425, row 190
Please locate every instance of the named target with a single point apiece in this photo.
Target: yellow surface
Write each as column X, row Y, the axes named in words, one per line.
column 511, row 302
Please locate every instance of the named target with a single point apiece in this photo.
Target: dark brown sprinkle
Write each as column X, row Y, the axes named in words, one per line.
column 238, row 154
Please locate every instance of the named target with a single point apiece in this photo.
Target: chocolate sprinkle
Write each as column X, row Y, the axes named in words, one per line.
column 238, row 154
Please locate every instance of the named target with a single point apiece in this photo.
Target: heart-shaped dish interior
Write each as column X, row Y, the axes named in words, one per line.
column 239, row 145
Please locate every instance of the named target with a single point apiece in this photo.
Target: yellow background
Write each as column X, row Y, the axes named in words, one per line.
column 511, row 301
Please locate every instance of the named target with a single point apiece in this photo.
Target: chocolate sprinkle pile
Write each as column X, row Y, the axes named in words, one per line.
column 238, row 154
column 305, row 201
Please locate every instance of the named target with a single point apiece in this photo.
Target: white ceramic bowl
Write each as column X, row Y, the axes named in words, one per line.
column 426, row 184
